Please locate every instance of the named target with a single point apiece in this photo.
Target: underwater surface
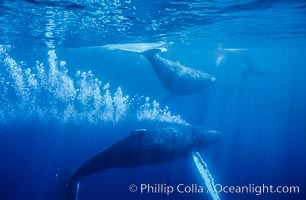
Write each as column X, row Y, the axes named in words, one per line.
column 73, row 81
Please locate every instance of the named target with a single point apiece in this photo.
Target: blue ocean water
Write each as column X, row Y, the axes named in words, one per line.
column 65, row 95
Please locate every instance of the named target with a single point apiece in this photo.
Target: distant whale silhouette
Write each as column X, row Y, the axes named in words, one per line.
column 245, row 64
column 175, row 77
column 142, row 147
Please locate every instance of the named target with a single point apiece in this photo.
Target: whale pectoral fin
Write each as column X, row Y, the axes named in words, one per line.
column 219, row 60
column 205, row 174
column 138, row 131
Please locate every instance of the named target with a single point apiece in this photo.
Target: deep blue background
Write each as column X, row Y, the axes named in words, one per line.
column 262, row 118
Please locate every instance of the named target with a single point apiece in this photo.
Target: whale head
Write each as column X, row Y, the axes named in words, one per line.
column 204, row 137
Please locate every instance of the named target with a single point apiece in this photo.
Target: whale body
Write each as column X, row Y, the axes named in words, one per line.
column 142, row 147
column 242, row 61
column 175, row 77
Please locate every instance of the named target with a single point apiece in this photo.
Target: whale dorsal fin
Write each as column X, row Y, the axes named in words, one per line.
column 138, row 131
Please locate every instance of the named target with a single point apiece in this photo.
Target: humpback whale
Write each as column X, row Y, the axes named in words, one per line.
column 142, row 147
column 175, row 77
column 245, row 64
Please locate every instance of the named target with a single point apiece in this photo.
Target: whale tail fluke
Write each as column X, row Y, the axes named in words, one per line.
column 69, row 186
column 149, row 54
column 137, row 47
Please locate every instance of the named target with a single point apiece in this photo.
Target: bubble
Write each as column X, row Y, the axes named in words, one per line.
column 47, row 92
